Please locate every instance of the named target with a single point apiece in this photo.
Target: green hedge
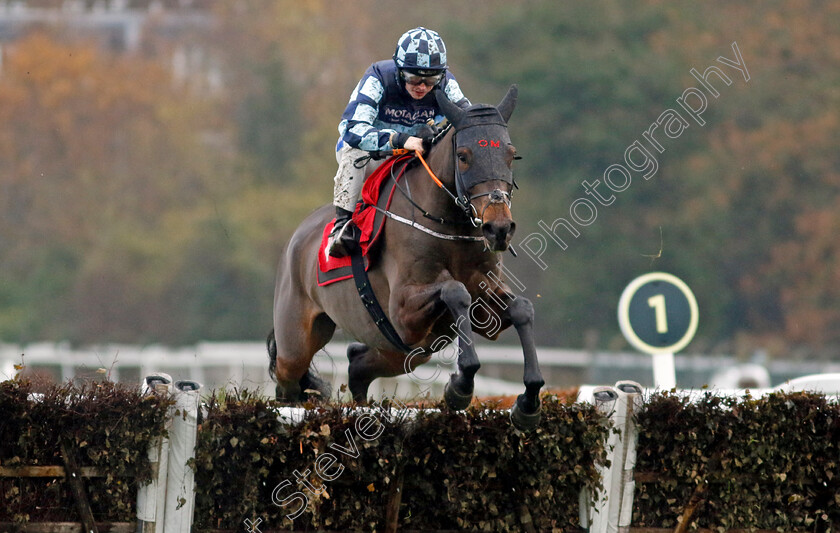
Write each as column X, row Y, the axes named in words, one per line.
column 455, row 470
column 769, row 463
column 104, row 425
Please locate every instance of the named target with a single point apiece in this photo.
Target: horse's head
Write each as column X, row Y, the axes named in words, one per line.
column 483, row 159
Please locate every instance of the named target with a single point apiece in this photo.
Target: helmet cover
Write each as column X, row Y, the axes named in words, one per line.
column 421, row 50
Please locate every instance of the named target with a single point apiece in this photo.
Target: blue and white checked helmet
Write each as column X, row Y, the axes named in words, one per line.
column 420, row 49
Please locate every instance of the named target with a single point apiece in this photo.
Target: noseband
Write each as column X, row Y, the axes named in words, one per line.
column 497, row 196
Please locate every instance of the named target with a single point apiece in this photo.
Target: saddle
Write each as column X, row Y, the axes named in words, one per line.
column 378, row 190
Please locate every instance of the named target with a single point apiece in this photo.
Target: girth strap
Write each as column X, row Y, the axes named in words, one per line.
column 360, row 277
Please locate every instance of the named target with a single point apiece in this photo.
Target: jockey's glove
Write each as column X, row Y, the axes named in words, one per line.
column 398, row 140
column 426, row 134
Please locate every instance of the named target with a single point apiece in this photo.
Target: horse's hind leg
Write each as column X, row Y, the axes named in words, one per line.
column 295, row 343
column 367, row 364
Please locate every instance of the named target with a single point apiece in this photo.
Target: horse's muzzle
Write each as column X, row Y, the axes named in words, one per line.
column 498, row 233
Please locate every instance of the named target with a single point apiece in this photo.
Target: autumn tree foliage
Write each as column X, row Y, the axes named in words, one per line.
column 136, row 208
column 764, row 183
column 101, row 162
column 743, row 208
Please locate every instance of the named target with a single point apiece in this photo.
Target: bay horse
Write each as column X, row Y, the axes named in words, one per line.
column 429, row 282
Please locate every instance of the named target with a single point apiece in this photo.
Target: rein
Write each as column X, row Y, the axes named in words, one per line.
column 462, row 201
column 407, row 195
column 440, row 220
column 469, row 210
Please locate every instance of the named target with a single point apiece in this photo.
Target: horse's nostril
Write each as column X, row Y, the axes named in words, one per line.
column 487, row 230
column 495, row 232
column 512, row 228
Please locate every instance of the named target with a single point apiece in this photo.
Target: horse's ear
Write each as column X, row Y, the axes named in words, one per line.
column 507, row 104
column 451, row 111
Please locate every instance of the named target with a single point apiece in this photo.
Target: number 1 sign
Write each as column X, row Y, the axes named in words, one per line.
column 658, row 315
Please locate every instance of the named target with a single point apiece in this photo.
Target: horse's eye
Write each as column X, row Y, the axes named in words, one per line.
column 462, row 158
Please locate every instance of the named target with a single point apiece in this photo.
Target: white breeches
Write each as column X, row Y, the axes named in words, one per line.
column 349, row 179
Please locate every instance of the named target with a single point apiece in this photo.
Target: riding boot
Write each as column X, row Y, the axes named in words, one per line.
column 343, row 235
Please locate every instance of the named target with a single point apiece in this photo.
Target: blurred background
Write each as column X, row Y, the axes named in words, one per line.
column 156, row 155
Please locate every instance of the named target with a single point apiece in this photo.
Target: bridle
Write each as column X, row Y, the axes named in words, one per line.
column 462, row 197
column 497, row 196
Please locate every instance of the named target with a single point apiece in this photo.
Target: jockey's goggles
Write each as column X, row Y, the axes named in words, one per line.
column 416, row 79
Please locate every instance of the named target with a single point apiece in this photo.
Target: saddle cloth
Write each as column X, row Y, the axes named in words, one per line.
column 377, row 190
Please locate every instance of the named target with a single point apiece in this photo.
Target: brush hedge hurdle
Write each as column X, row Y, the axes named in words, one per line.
column 73, row 453
column 356, row 469
column 703, row 462
column 727, row 463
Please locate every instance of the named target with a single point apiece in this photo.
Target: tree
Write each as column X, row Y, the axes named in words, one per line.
column 96, row 150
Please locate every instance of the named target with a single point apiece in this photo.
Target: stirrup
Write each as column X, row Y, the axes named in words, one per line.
column 342, row 239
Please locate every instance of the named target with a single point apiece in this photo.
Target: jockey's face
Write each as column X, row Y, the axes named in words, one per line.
column 418, row 91
column 419, row 83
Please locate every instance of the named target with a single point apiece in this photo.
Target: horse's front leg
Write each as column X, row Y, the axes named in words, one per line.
column 525, row 414
column 420, row 309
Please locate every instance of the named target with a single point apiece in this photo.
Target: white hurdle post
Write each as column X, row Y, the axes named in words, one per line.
column 630, row 436
column 180, row 478
column 664, row 373
column 613, row 508
column 151, row 500
column 611, row 403
column 604, row 399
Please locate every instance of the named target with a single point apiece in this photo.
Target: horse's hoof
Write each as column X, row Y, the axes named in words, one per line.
column 312, row 384
column 454, row 399
column 286, row 395
column 355, row 349
column 524, row 421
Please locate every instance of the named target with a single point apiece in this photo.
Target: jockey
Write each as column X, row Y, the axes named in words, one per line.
column 392, row 107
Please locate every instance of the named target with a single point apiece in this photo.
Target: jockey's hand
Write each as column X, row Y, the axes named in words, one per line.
column 415, row 144
column 427, row 133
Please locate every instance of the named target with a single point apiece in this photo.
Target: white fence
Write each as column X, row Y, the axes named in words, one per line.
column 167, row 504
column 237, row 365
column 244, row 365
column 613, row 508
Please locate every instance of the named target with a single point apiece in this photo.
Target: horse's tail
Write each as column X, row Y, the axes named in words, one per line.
column 271, row 345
